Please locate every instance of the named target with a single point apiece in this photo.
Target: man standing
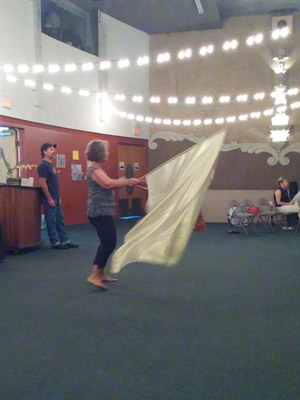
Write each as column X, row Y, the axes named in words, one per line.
column 50, row 199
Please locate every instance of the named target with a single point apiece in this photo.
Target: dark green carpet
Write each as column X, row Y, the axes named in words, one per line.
column 223, row 325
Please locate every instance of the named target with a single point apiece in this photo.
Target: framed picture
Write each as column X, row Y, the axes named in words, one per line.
column 76, row 172
column 60, row 161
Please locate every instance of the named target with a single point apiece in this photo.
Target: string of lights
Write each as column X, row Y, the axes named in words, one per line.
column 219, row 120
column 103, row 65
column 171, row 100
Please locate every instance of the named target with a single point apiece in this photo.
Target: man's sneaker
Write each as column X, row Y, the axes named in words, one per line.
column 72, row 245
column 60, row 247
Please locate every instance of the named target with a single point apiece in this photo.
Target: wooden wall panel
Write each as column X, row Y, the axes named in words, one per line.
column 73, row 194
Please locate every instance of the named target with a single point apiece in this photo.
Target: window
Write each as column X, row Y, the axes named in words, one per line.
column 70, row 24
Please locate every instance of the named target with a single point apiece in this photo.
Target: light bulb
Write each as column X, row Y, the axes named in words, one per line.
column 295, row 105
column 155, row 99
column 284, row 32
column 70, row 67
column 23, row 68
column 11, row 78
column 123, row 63
column 190, row 100
column 207, row 100
column 268, row 112
column 203, row 51
column 48, row 86
column 259, row 96
column 210, row 49
column 84, row 93
column 30, row 83
column 8, row 68
column 120, row 97
column 38, row 69
column 230, row 119
column 292, row 91
column 234, row 44
column 137, row 99
column 197, row 122
column 242, row 97
column 66, row 90
column 250, row 40
column 53, row 68
column 259, row 38
column 87, row 67
column 224, row 99
column 163, row 57
column 172, row 100
column 104, row 65
column 176, row 122
column 142, row 60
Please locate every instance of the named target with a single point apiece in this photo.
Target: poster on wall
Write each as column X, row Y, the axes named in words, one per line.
column 60, row 161
column 76, row 172
column 75, row 154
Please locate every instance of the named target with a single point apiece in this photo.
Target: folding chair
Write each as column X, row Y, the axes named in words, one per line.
column 262, row 217
column 284, row 214
column 242, row 217
column 270, row 214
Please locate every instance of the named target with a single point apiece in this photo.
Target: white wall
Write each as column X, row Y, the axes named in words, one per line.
column 21, row 42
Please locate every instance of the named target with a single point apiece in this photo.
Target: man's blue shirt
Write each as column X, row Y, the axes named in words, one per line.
column 46, row 170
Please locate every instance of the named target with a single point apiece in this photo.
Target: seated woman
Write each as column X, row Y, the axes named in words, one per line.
column 284, row 204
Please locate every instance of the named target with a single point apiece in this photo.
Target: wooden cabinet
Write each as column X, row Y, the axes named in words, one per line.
column 20, row 216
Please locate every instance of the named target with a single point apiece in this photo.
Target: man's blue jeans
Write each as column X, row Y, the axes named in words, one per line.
column 55, row 223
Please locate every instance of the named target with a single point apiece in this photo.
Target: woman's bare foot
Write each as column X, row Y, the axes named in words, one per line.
column 96, row 280
column 106, row 278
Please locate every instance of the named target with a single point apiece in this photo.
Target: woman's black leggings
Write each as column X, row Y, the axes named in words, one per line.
column 107, row 234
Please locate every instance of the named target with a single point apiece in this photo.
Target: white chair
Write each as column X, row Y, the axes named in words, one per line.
column 242, row 217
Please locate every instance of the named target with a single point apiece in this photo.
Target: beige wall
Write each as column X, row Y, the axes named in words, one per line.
column 217, row 202
column 226, row 73
column 246, row 69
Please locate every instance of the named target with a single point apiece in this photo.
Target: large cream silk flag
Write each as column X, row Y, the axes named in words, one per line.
column 176, row 194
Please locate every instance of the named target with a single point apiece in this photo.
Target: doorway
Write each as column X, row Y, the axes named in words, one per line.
column 9, row 151
column 132, row 163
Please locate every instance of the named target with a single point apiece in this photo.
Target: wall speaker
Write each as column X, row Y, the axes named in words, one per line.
column 282, row 21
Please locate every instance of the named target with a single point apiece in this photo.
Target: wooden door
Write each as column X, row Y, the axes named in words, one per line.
column 132, row 163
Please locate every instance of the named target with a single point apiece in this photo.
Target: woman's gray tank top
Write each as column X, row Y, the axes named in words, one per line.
column 100, row 201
